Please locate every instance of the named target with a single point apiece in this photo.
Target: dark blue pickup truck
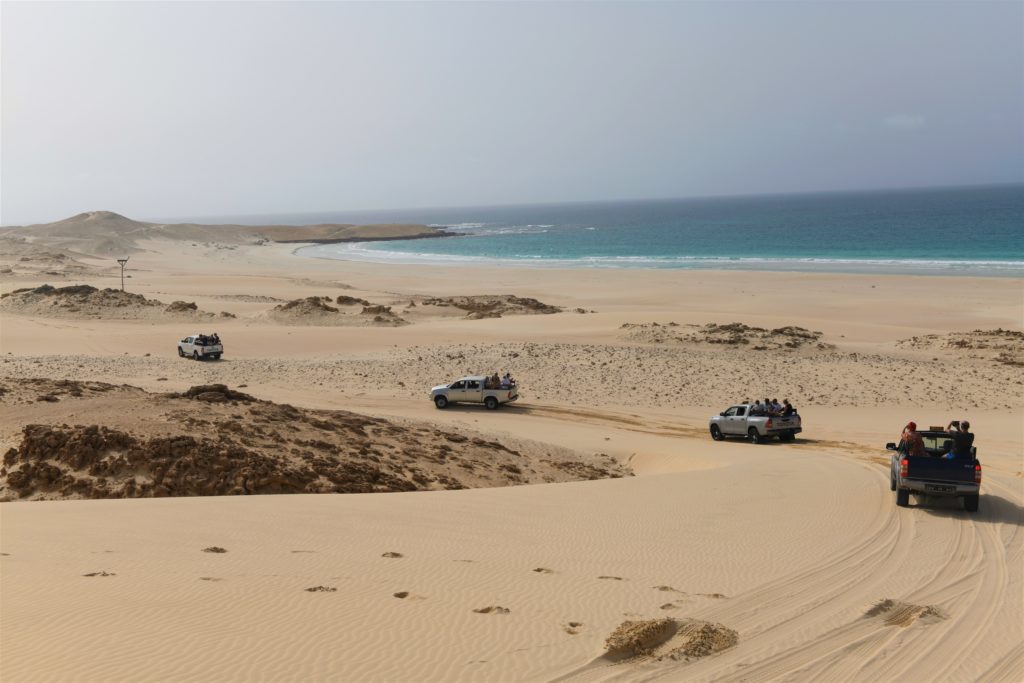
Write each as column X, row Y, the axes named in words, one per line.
column 934, row 474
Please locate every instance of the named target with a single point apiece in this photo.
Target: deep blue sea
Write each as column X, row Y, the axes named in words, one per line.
column 970, row 231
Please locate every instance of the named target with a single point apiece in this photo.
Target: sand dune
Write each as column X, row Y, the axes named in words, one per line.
column 105, row 233
column 86, row 301
column 717, row 561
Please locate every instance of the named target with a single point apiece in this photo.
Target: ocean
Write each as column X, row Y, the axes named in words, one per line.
column 967, row 231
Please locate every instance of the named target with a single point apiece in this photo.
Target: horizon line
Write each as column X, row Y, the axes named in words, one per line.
column 439, row 207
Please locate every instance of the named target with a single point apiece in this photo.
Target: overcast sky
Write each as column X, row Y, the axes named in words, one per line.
column 158, row 110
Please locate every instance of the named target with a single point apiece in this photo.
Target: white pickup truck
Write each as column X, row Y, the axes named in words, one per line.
column 737, row 421
column 471, row 390
column 200, row 347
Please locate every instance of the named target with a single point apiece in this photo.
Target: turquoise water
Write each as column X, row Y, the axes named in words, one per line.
column 976, row 231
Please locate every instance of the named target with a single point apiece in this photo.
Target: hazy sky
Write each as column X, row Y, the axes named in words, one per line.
column 158, row 110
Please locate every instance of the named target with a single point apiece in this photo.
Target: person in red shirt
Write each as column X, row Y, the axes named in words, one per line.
column 913, row 444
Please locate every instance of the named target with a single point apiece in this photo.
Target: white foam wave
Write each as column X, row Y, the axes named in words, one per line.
column 367, row 252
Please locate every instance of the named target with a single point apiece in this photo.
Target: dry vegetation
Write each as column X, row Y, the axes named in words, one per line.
column 1002, row 346
column 211, row 440
column 789, row 337
column 86, row 301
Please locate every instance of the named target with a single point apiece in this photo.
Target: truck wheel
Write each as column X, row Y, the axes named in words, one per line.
column 788, row 436
column 716, row 433
column 903, row 498
column 892, row 481
column 216, row 356
column 754, row 437
column 441, row 402
column 491, row 403
column 195, row 355
column 181, row 352
column 971, row 503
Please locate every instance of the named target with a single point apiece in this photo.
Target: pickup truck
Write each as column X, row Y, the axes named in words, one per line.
column 933, row 474
column 737, row 421
column 471, row 390
column 200, row 347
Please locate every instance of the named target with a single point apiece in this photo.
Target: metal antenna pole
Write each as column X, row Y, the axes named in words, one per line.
column 122, row 261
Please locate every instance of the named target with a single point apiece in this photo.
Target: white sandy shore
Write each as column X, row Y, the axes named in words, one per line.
column 789, row 545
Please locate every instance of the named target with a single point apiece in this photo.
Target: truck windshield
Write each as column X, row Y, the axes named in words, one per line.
column 937, row 443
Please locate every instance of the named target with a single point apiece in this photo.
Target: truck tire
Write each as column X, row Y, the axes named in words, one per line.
column 892, row 480
column 754, row 437
column 181, row 352
column 903, row 497
column 441, row 402
column 787, row 436
column 195, row 355
column 716, row 433
column 216, row 356
column 971, row 503
column 491, row 403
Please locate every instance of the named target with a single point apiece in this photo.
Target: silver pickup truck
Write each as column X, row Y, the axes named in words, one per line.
column 471, row 390
column 737, row 421
column 200, row 347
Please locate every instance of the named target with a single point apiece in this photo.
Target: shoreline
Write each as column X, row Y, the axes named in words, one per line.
column 894, row 267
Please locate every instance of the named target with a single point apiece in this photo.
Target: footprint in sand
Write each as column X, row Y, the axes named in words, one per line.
column 303, row 551
column 214, row 549
column 210, row 578
column 573, row 627
column 669, row 605
column 321, row 589
column 612, row 578
column 100, row 574
column 668, row 589
column 713, row 596
column 393, row 555
column 493, row 609
column 544, row 570
column 406, row 595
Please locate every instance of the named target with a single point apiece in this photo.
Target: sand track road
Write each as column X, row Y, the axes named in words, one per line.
column 920, row 594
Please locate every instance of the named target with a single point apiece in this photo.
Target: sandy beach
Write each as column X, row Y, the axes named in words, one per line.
column 471, row 545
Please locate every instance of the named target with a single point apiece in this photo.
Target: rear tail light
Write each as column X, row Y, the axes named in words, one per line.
column 768, row 424
column 903, row 467
column 977, row 474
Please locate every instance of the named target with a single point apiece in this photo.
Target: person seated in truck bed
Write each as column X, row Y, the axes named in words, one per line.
column 962, row 439
column 912, row 443
column 757, row 410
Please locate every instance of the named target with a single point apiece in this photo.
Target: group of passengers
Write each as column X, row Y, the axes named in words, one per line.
column 959, row 443
column 208, row 339
column 506, row 381
column 771, row 408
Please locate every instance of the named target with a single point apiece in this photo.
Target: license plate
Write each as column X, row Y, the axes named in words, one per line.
column 940, row 489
